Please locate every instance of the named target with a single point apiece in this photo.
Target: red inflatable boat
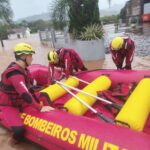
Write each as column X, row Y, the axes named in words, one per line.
column 95, row 125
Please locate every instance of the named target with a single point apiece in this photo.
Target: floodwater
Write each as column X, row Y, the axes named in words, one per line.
column 6, row 56
column 6, row 53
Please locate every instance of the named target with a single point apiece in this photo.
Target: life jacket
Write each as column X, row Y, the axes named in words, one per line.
column 72, row 54
column 75, row 60
column 13, row 69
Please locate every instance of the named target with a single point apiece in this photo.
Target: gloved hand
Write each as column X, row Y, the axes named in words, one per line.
column 46, row 109
column 119, row 67
column 52, row 81
column 84, row 68
column 128, row 67
column 35, row 88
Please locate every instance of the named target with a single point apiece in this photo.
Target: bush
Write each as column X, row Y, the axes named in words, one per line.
column 92, row 32
column 3, row 31
column 110, row 19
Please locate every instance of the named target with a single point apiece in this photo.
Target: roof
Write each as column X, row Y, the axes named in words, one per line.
column 18, row 30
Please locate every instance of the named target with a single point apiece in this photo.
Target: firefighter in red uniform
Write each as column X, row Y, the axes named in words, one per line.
column 122, row 49
column 67, row 59
column 14, row 93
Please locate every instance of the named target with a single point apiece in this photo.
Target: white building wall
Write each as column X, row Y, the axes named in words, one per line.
column 147, row 8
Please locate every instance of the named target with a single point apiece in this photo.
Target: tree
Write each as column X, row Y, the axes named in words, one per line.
column 110, row 19
column 38, row 25
column 80, row 13
column 6, row 15
column 83, row 13
column 59, row 13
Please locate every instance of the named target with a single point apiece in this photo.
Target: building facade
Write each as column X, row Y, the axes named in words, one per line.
column 22, row 32
column 135, row 9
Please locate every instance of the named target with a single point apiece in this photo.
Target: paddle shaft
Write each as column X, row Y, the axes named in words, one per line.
column 81, row 80
column 86, row 93
column 88, row 106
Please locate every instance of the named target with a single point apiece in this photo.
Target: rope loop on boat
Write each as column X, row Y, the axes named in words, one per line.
column 122, row 123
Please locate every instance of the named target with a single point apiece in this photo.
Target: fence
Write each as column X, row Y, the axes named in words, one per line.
column 51, row 37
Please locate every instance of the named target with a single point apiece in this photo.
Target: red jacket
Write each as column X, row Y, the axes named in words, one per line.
column 14, row 87
column 125, row 54
column 69, row 60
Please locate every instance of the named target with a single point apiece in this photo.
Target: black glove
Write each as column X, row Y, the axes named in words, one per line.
column 52, row 81
column 127, row 67
column 35, row 88
column 84, row 69
column 119, row 67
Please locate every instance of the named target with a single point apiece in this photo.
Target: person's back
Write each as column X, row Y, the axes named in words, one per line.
column 71, row 57
column 67, row 59
column 122, row 48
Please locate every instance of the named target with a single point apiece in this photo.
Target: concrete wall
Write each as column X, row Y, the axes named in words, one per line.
column 88, row 50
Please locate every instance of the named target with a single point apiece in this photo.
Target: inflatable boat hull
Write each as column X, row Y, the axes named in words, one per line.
column 57, row 130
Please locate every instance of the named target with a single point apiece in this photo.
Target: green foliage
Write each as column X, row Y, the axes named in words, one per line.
column 34, row 25
column 38, row 25
column 110, row 19
column 59, row 14
column 23, row 23
column 83, row 13
column 4, row 31
column 92, row 32
column 76, row 13
column 6, row 13
column 59, row 25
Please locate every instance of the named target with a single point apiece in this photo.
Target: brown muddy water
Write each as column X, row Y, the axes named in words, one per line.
column 6, row 56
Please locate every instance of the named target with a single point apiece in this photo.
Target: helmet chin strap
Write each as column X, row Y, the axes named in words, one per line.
column 24, row 60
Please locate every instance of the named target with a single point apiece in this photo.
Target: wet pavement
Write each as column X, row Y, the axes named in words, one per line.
column 142, row 45
column 142, row 42
column 141, row 61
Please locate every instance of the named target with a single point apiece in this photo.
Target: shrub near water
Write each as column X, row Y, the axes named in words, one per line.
column 92, row 32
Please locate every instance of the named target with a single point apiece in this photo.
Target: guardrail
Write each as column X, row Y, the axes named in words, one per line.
column 52, row 36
